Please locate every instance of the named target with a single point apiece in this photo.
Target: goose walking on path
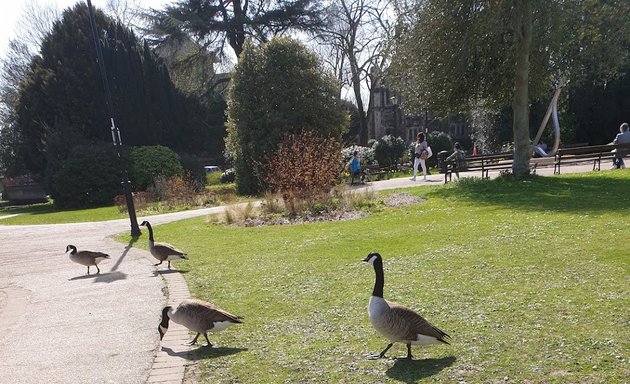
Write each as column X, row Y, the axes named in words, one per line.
column 163, row 251
column 396, row 322
column 198, row 316
column 87, row 258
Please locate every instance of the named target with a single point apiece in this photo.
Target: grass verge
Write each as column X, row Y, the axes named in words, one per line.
column 530, row 278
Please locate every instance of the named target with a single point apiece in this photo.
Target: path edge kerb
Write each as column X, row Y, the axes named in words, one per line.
column 171, row 367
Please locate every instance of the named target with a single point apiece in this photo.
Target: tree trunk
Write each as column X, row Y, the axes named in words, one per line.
column 520, row 103
column 356, row 86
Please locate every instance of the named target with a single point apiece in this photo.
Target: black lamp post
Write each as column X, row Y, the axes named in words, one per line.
column 135, row 230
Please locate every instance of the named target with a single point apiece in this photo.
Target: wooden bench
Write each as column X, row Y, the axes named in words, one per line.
column 491, row 162
column 564, row 156
column 483, row 163
column 587, row 154
column 371, row 173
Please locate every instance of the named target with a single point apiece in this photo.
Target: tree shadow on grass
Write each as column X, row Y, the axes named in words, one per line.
column 411, row 371
column 590, row 193
column 203, row 353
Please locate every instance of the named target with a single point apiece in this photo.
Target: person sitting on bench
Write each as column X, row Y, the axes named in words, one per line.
column 355, row 168
column 623, row 137
column 455, row 157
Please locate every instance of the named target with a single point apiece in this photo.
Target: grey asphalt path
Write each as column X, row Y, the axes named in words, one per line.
column 58, row 325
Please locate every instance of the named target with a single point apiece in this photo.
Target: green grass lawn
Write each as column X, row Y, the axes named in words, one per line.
column 48, row 214
column 531, row 280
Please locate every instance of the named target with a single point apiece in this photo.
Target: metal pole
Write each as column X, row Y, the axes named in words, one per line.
column 135, row 229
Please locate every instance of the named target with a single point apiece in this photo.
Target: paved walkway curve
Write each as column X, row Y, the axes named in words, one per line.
column 58, row 325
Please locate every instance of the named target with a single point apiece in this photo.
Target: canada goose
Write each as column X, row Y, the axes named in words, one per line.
column 198, row 316
column 163, row 251
column 87, row 258
column 396, row 322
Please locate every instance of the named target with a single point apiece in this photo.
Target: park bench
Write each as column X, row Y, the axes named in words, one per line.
column 587, row 154
column 564, row 156
column 372, row 173
column 483, row 163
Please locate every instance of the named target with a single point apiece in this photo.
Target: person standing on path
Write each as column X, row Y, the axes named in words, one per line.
column 420, row 155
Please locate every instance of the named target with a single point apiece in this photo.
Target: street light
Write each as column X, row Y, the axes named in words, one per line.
column 135, row 229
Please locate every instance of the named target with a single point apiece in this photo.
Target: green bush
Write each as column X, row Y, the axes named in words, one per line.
column 147, row 163
column 277, row 88
column 389, row 150
column 88, row 177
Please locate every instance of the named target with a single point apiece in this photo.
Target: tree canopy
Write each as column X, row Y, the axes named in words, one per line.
column 455, row 56
column 216, row 22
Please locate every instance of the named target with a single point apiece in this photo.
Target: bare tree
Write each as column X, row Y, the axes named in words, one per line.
column 128, row 13
column 357, row 38
column 35, row 23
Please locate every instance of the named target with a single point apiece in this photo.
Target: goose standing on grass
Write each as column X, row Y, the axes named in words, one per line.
column 87, row 258
column 163, row 251
column 198, row 316
column 396, row 322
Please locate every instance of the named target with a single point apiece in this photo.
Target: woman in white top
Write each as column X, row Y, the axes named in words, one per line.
column 420, row 155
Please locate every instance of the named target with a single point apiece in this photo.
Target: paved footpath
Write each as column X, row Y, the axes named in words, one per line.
column 58, row 325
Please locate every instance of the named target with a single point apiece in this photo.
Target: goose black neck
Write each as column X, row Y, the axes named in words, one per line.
column 380, row 278
column 165, row 317
column 150, row 231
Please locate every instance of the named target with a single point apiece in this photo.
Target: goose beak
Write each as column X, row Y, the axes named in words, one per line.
column 366, row 259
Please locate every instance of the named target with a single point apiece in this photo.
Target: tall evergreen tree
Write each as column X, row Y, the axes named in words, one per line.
column 61, row 101
column 218, row 23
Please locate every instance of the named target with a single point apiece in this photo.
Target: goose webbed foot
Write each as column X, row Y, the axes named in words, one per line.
column 193, row 341
column 98, row 270
column 155, row 265
column 380, row 355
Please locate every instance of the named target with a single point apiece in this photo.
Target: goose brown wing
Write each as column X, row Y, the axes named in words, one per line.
column 167, row 249
column 415, row 324
column 92, row 255
column 205, row 314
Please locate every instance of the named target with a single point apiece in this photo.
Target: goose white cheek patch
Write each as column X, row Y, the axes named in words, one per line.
column 163, row 329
